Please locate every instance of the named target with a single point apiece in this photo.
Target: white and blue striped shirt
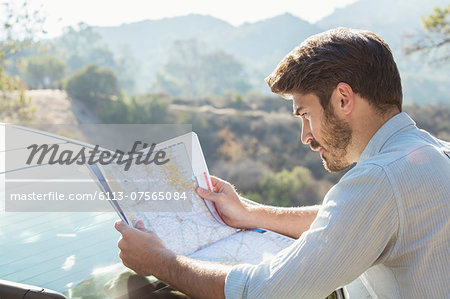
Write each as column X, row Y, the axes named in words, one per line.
column 386, row 222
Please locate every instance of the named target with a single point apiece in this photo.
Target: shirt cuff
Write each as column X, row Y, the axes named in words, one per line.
column 236, row 283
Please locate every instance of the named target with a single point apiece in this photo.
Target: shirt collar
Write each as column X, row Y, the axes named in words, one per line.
column 386, row 131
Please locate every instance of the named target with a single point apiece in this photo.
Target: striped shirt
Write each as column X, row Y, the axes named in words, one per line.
column 386, row 222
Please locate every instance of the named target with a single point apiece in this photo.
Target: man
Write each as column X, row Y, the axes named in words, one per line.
column 386, row 221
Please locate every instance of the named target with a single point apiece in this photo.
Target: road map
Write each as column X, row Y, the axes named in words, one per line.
column 164, row 198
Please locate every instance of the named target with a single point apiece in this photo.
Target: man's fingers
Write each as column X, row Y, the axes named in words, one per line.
column 141, row 226
column 120, row 243
column 121, row 226
column 215, row 180
column 221, row 186
column 126, row 264
column 218, row 184
column 206, row 194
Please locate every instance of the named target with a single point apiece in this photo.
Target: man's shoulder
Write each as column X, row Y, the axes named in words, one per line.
column 410, row 147
column 414, row 163
column 364, row 175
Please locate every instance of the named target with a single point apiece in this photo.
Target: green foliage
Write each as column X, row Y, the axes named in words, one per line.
column 82, row 45
column 93, row 84
column 285, row 188
column 438, row 21
column 192, row 71
column 43, row 72
column 437, row 38
column 19, row 26
column 194, row 118
column 14, row 105
column 77, row 45
column 143, row 109
column 168, row 83
column 114, row 112
column 127, row 68
column 149, row 109
column 236, row 100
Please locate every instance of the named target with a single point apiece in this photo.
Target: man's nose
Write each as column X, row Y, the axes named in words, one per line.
column 306, row 133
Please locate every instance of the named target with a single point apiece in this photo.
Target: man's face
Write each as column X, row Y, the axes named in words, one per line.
column 323, row 131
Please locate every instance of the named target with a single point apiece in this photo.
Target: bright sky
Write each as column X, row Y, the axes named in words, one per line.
column 60, row 13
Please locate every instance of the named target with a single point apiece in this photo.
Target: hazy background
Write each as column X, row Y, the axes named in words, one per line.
column 204, row 63
column 192, row 62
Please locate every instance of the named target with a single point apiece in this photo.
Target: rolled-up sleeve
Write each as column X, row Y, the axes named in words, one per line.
column 354, row 229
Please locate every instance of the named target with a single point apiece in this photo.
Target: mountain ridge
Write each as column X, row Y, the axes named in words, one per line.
column 260, row 45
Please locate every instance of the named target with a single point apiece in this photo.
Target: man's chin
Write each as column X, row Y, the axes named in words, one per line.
column 334, row 167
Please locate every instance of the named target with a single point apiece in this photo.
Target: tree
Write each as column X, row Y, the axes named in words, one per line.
column 143, row 109
column 167, row 83
column 43, row 72
column 149, row 109
column 194, row 118
column 223, row 73
column 127, row 68
column 76, row 44
column 193, row 71
column 83, row 45
column 287, row 188
column 437, row 36
column 19, row 26
column 14, row 105
column 93, row 84
column 114, row 112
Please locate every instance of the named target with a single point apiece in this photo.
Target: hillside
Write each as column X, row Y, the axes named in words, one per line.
column 261, row 45
column 258, row 45
column 244, row 143
column 55, row 107
column 389, row 19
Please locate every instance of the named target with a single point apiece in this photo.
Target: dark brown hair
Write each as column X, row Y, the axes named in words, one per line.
column 357, row 57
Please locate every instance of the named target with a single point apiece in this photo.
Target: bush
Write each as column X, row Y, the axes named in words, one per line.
column 143, row 109
column 43, row 72
column 93, row 84
column 286, row 188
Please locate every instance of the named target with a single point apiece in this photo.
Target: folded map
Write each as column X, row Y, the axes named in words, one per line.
column 164, row 198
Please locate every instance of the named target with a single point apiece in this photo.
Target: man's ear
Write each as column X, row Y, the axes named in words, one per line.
column 344, row 98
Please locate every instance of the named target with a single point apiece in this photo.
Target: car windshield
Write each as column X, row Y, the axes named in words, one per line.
column 63, row 251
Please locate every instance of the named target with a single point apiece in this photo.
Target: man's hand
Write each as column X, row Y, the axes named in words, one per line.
column 234, row 212
column 291, row 222
column 140, row 249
